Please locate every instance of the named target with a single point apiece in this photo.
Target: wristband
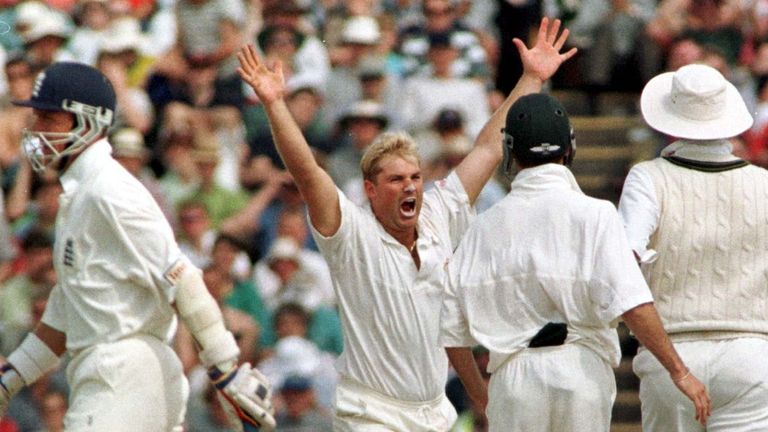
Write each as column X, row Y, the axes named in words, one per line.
column 33, row 359
column 683, row 378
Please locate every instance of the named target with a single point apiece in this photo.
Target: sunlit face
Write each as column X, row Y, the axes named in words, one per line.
column 396, row 194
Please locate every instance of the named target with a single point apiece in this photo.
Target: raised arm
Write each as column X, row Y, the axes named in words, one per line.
column 539, row 64
column 313, row 182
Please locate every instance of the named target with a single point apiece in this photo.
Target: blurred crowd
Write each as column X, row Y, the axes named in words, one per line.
column 189, row 129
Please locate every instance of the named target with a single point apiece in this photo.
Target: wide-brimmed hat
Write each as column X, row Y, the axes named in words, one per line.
column 365, row 110
column 124, row 34
column 128, row 142
column 362, row 30
column 695, row 102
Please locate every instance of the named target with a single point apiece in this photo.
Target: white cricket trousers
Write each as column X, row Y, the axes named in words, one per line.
column 360, row 409
column 567, row 388
column 735, row 372
column 134, row 384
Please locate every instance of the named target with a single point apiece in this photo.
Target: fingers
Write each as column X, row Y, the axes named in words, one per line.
column 521, row 48
column 558, row 44
column 552, row 34
column 572, row 52
column 543, row 29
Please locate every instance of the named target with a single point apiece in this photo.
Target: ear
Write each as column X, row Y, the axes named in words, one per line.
column 370, row 189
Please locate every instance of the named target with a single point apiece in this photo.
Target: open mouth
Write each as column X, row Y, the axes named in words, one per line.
column 408, row 207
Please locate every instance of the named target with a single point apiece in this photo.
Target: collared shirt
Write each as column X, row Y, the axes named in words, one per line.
column 638, row 207
column 390, row 310
column 545, row 253
column 113, row 248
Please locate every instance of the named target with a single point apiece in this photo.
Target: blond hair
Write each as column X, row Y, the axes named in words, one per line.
column 398, row 144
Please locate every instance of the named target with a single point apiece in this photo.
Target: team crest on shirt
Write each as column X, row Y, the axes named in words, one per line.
column 69, row 253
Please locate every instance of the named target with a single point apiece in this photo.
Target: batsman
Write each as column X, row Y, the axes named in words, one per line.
column 121, row 281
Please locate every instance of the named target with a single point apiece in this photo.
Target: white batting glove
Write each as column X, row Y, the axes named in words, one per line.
column 246, row 397
column 10, row 384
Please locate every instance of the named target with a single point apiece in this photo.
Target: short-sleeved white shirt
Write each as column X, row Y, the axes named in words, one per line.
column 545, row 253
column 390, row 310
column 113, row 248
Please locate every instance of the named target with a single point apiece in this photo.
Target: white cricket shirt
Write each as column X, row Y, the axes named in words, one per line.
column 546, row 252
column 390, row 310
column 113, row 247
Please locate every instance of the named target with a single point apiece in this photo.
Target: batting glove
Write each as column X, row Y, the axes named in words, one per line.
column 10, row 384
column 246, row 397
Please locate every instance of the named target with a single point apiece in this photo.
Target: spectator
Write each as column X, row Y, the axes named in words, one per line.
column 13, row 119
column 206, row 414
column 286, row 274
column 305, row 100
column 447, row 125
column 40, row 211
column 93, row 18
column 177, row 137
column 197, row 239
column 295, row 352
column 209, row 34
column 360, row 39
column 45, row 40
column 454, row 150
column 360, row 125
column 615, row 52
column 424, row 96
column 440, row 16
column 129, row 150
column 134, row 108
column 300, row 411
column 705, row 21
column 34, row 280
column 220, row 202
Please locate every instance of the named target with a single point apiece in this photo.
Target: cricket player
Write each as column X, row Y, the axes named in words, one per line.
column 387, row 257
column 120, row 276
column 696, row 218
column 541, row 280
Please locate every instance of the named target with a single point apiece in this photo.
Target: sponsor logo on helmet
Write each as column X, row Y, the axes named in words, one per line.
column 545, row 148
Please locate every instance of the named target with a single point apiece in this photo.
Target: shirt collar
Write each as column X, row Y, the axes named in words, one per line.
column 93, row 156
column 545, row 177
column 706, row 151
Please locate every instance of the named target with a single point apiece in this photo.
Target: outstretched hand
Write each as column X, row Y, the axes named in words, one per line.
column 543, row 60
column 695, row 391
column 269, row 84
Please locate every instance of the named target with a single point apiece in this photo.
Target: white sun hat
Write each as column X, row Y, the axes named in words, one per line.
column 695, row 102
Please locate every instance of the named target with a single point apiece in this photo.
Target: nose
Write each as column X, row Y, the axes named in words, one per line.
column 410, row 188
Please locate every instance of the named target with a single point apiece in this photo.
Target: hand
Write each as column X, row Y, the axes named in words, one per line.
column 543, row 60
column 246, row 396
column 695, row 391
column 268, row 84
column 10, row 384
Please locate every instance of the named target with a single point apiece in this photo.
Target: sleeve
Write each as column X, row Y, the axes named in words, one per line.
column 337, row 246
column 616, row 285
column 144, row 244
column 639, row 212
column 452, row 203
column 54, row 315
column 454, row 328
